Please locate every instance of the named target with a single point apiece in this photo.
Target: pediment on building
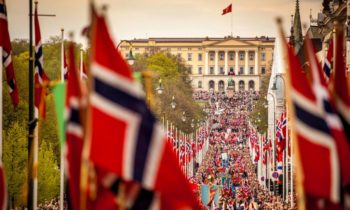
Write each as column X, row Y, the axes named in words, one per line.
column 231, row 42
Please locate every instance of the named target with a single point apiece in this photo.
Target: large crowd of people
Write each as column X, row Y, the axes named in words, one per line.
column 228, row 164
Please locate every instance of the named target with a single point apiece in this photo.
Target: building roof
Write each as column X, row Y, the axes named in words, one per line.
column 199, row 40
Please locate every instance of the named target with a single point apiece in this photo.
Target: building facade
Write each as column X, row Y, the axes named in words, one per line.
column 212, row 62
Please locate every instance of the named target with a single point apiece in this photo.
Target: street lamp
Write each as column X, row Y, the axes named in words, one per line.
column 173, row 103
column 274, row 137
column 192, row 123
column 131, row 59
column 183, row 118
column 160, row 88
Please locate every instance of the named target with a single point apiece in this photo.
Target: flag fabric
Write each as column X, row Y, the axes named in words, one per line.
column 228, row 9
column 74, row 131
column 327, row 68
column 40, row 78
column 341, row 88
column 3, row 189
column 331, row 117
column 126, row 139
column 315, row 130
column 65, row 66
column 5, row 43
column 281, row 136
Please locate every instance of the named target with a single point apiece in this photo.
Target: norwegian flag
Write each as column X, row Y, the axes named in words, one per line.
column 327, row 68
column 317, row 129
column 3, row 189
column 281, row 136
column 257, row 153
column 40, row 77
column 65, row 66
column 341, row 87
column 5, row 45
column 126, row 139
column 74, row 131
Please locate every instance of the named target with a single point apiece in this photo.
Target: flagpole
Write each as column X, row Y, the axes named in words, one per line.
column 231, row 20
column 35, row 152
column 32, row 121
column 287, row 158
column 81, row 64
column 62, row 55
column 62, row 145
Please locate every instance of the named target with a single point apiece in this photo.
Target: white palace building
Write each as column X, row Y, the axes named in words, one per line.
column 214, row 61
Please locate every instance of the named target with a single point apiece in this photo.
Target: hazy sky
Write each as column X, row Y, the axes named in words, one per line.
column 130, row 19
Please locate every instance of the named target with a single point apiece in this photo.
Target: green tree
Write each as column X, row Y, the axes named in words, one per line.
column 176, row 82
column 15, row 160
column 48, row 173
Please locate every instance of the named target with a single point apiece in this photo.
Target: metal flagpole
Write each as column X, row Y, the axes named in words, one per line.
column 287, row 159
column 231, row 21
column 32, row 121
column 185, row 140
column 62, row 145
column 81, row 64
column 167, row 129
column 291, row 174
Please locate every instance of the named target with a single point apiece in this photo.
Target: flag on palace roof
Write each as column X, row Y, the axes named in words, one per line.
column 228, row 9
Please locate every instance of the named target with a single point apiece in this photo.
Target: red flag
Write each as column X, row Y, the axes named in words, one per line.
column 7, row 55
column 3, row 189
column 74, row 131
column 228, row 9
column 341, row 88
column 316, row 127
column 40, row 78
column 65, row 66
column 126, row 139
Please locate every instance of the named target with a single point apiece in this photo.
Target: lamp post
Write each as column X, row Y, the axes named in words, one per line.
column 173, row 103
column 274, row 137
column 285, row 160
column 130, row 58
column 183, row 118
column 160, row 88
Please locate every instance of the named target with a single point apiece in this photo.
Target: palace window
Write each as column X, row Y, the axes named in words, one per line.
column 199, row 70
column 222, row 70
column 200, row 57
column 212, row 55
column 232, row 56
column 189, row 56
column 241, row 56
column 221, row 56
column 251, row 56
column 263, row 70
column 241, row 70
column 211, row 69
column 199, row 84
column 263, row 56
column 251, row 70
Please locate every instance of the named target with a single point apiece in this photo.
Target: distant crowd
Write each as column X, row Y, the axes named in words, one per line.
column 227, row 165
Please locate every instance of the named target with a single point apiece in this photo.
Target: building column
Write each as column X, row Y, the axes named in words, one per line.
column 206, row 67
column 236, row 62
column 216, row 70
column 226, row 62
column 256, row 62
column 246, row 70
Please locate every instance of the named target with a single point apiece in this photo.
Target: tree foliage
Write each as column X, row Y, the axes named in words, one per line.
column 48, row 173
column 175, row 81
column 259, row 116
